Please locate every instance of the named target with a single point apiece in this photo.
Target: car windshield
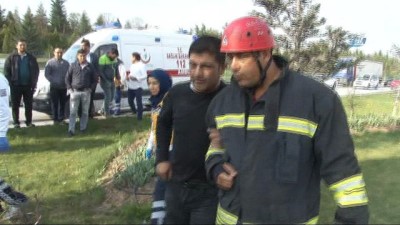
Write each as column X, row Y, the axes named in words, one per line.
column 365, row 77
column 70, row 54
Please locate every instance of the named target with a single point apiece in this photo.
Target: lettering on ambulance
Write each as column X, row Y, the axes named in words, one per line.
column 145, row 57
column 181, row 58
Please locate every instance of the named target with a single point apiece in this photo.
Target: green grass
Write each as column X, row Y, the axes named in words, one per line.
column 377, row 104
column 63, row 172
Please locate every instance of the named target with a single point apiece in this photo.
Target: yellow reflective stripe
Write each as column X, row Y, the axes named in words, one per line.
column 214, row 151
column 350, row 191
column 256, row 122
column 225, row 217
column 297, row 126
column 312, row 221
column 230, row 120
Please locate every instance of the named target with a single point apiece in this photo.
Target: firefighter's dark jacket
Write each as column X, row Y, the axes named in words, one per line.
column 11, row 69
column 282, row 146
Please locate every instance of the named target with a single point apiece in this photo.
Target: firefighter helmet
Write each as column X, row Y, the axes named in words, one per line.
column 247, row 34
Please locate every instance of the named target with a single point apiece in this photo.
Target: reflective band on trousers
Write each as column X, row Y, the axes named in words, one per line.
column 350, row 192
column 225, row 217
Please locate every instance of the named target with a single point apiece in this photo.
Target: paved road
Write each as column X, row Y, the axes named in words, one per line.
column 343, row 91
column 44, row 119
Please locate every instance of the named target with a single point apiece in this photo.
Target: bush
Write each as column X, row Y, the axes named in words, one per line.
column 138, row 172
column 362, row 122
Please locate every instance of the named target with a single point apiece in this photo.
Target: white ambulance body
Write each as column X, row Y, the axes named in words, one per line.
column 158, row 49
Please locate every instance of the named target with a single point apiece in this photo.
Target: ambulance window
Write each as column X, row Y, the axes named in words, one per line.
column 103, row 49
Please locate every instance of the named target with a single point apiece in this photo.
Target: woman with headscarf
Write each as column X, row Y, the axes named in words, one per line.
column 159, row 83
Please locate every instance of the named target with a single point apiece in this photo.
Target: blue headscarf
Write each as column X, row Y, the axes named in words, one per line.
column 165, row 84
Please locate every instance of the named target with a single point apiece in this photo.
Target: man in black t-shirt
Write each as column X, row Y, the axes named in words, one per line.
column 190, row 199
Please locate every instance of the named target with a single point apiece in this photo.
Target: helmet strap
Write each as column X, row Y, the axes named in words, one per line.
column 263, row 70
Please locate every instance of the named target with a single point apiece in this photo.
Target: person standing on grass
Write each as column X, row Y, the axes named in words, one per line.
column 55, row 72
column 7, row 195
column 135, row 81
column 80, row 80
column 22, row 72
column 94, row 60
column 119, row 85
column 189, row 197
column 108, row 64
column 159, row 83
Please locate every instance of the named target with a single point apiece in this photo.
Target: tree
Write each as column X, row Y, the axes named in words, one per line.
column 100, row 21
column 58, row 17
column 2, row 22
column 84, row 24
column 203, row 30
column 10, row 32
column 128, row 25
column 299, row 22
column 30, row 33
column 41, row 22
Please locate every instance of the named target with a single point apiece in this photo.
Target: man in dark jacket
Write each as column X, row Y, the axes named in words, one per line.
column 94, row 60
column 80, row 80
column 22, row 71
column 275, row 134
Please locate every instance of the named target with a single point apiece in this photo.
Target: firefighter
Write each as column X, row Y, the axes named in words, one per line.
column 274, row 135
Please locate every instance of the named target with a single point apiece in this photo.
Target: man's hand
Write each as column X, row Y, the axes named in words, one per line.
column 215, row 138
column 164, row 170
column 226, row 179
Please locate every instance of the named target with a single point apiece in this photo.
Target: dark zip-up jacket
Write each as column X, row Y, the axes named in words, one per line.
column 282, row 146
column 11, row 69
column 79, row 78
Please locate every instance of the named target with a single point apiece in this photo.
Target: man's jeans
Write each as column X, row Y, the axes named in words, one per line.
column 77, row 98
column 190, row 203
column 109, row 91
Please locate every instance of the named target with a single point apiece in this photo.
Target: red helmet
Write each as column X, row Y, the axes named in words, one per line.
column 247, row 34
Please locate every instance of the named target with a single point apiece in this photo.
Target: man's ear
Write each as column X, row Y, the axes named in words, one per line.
column 265, row 55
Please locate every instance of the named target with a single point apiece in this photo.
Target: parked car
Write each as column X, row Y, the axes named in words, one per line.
column 367, row 81
column 386, row 83
column 395, row 84
column 329, row 81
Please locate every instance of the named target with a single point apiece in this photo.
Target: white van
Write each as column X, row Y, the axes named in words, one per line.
column 366, row 81
column 158, row 49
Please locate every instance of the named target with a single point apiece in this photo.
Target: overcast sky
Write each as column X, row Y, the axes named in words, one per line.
column 377, row 20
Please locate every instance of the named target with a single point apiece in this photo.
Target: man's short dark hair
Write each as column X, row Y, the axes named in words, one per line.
column 81, row 51
column 114, row 51
column 85, row 42
column 136, row 55
column 209, row 44
column 21, row 40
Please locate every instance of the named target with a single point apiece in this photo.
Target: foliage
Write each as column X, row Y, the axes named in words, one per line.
column 58, row 17
column 10, row 32
column 370, row 111
column 203, row 30
column 30, row 33
column 138, row 170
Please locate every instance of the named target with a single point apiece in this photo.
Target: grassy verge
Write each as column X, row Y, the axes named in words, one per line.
column 62, row 173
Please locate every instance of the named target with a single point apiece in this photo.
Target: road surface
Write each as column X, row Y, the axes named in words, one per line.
column 40, row 119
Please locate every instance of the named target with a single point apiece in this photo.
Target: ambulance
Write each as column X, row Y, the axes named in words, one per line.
column 158, row 49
